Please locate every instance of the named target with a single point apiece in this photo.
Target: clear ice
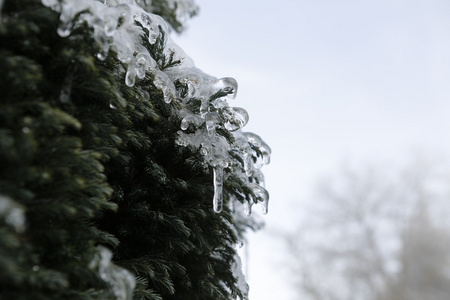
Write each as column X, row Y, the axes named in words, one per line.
column 118, row 26
column 120, row 282
column 218, row 186
column 183, row 8
column 12, row 214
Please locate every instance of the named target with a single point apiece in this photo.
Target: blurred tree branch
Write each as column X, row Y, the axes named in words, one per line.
column 375, row 233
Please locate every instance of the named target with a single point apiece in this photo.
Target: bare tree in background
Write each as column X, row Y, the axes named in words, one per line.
column 376, row 234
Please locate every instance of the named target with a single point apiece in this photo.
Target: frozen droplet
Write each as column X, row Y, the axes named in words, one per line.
column 228, row 85
column 65, row 29
column 35, row 268
column 182, row 140
column 262, row 195
column 141, row 66
column 184, row 124
column 218, row 186
column 153, row 34
column 203, row 151
column 130, row 77
column 104, row 47
column 102, row 55
column 67, row 14
column 149, row 24
column 112, row 106
column 253, row 139
column 235, row 117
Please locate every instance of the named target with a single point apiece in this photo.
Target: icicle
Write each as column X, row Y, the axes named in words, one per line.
column 114, row 28
column 265, row 207
column 218, row 185
column 130, row 76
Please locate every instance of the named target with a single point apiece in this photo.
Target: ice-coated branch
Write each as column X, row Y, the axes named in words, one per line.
column 208, row 124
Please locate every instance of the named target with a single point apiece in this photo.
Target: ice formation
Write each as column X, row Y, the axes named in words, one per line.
column 12, row 214
column 218, row 185
column 120, row 281
column 183, row 8
column 208, row 123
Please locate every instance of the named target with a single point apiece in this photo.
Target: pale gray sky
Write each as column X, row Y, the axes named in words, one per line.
column 323, row 81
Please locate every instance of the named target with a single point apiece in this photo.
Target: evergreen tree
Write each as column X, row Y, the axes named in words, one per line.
column 94, row 166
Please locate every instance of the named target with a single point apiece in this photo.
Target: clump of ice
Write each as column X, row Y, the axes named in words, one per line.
column 120, row 281
column 114, row 28
column 12, row 214
column 183, row 8
column 208, row 123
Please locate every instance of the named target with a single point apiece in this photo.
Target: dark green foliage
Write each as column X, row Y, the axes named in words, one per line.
column 44, row 166
column 93, row 161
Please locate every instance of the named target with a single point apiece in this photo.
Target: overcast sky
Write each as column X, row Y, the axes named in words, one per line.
column 326, row 81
